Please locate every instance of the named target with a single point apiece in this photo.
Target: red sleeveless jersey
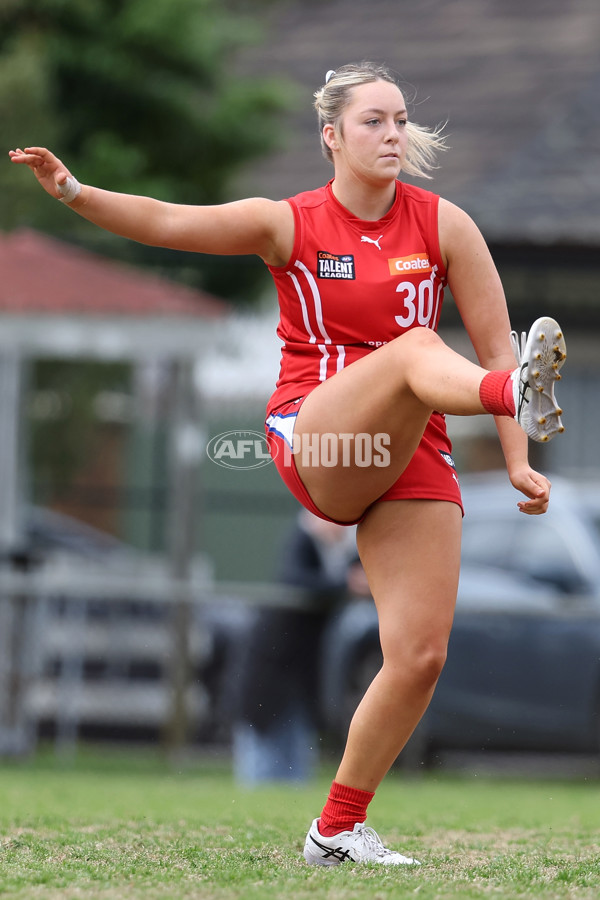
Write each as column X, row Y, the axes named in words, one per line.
column 352, row 285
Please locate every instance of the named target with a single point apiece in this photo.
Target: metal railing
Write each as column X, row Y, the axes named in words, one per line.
column 81, row 646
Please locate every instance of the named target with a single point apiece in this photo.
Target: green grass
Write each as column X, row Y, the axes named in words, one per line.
column 127, row 826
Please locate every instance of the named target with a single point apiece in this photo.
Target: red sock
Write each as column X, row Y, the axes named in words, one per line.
column 496, row 394
column 344, row 808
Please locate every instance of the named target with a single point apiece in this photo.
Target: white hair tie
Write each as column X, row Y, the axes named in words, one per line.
column 329, row 75
column 70, row 190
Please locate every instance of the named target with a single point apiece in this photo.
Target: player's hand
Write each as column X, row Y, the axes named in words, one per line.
column 47, row 168
column 536, row 487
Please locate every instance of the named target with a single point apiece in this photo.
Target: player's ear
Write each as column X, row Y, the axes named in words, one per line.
column 330, row 138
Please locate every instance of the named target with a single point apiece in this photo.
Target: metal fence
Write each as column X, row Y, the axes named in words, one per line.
column 119, row 653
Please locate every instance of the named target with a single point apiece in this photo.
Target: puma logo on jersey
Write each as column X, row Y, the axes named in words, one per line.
column 367, row 240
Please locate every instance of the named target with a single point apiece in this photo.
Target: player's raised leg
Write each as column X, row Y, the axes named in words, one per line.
column 395, row 389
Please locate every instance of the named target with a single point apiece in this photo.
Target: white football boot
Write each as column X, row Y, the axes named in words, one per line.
column 361, row 845
column 540, row 356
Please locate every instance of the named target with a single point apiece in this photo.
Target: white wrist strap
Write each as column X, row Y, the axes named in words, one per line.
column 69, row 190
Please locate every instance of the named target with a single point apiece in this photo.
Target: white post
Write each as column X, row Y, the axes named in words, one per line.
column 11, row 451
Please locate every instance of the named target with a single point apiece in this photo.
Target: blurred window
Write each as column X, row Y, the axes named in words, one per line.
column 487, row 542
column 595, row 520
column 532, row 547
column 542, row 551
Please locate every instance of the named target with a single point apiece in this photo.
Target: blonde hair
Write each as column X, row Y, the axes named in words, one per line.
column 332, row 99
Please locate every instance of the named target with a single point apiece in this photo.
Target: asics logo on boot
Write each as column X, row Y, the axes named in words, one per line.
column 524, row 390
column 335, row 852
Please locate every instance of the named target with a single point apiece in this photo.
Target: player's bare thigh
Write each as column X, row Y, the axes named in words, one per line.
column 410, row 551
column 367, row 398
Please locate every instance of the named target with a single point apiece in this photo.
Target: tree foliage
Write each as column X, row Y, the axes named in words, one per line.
column 140, row 96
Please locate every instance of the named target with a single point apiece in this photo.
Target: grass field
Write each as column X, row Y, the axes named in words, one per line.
column 118, row 825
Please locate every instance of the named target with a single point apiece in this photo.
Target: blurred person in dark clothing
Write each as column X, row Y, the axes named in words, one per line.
column 275, row 736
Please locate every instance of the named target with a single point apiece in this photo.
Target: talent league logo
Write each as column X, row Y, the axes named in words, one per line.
column 332, row 265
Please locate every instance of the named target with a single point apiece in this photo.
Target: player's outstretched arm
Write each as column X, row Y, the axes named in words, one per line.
column 252, row 226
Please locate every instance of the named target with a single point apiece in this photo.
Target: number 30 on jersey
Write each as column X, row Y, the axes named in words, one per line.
column 419, row 302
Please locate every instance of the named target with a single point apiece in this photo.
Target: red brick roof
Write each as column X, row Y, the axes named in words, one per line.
column 40, row 274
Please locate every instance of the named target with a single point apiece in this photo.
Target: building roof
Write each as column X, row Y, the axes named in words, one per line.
column 517, row 83
column 43, row 275
column 549, row 188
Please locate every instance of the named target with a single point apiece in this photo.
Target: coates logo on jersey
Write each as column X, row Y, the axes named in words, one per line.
column 410, row 265
column 332, row 265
